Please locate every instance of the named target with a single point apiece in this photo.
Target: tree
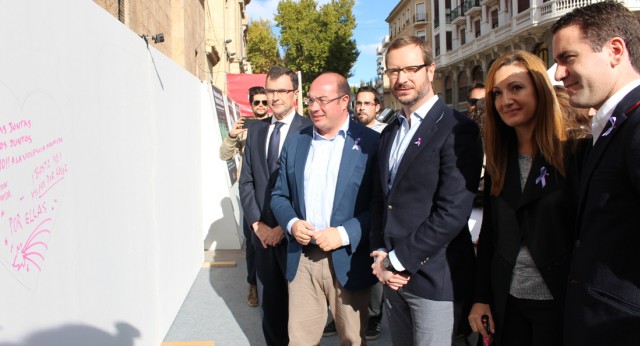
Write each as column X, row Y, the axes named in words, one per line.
column 262, row 46
column 317, row 39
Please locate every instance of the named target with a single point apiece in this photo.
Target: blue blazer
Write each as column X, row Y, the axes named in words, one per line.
column 423, row 217
column 351, row 263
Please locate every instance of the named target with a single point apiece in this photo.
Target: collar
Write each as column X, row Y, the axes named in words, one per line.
column 342, row 132
column 605, row 112
column 422, row 111
column 286, row 120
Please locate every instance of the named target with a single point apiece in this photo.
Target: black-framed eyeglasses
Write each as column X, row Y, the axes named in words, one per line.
column 410, row 71
column 322, row 102
column 473, row 101
column 279, row 91
column 257, row 102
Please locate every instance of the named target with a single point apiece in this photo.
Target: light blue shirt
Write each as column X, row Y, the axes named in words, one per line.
column 400, row 144
column 320, row 180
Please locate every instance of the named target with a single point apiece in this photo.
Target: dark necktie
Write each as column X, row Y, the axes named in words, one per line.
column 274, row 144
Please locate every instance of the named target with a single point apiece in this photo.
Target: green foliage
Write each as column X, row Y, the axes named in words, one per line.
column 317, row 39
column 262, row 46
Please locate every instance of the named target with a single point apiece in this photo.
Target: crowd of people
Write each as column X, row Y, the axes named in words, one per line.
column 355, row 217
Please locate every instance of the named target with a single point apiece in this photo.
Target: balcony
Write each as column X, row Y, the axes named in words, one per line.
column 471, row 7
column 420, row 17
column 457, row 17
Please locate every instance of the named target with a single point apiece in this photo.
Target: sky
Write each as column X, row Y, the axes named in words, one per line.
column 370, row 30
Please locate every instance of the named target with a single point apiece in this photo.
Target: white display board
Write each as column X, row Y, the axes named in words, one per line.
column 110, row 181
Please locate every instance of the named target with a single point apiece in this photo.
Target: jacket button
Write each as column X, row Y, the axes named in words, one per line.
column 390, row 207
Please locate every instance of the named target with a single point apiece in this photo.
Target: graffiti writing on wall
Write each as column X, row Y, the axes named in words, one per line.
column 32, row 170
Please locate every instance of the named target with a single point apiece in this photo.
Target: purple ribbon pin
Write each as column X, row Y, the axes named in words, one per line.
column 418, row 142
column 612, row 120
column 356, row 146
column 541, row 178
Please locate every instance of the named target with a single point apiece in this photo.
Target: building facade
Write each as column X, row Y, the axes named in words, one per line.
column 468, row 35
column 208, row 38
column 408, row 17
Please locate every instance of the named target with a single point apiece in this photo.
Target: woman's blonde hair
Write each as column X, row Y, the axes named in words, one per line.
column 548, row 134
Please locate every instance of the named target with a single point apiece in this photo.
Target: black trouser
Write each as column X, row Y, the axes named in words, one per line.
column 273, row 291
column 532, row 322
column 250, row 252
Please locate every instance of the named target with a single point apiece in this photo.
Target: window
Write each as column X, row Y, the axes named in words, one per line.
column 421, row 12
column 437, row 45
column 476, row 27
column 494, row 18
column 449, row 41
column 523, row 5
column 448, row 91
column 476, row 75
column 463, row 85
column 462, row 36
column 422, row 34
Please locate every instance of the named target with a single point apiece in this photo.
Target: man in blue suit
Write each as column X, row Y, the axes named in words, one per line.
column 259, row 171
column 429, row 169
column 321, row 201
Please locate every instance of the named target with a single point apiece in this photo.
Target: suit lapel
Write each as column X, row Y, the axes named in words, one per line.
column 541, row 181
column 300, row 162
column 628, row 105
column 422, row 136
column 386, row 143
column 511, row 191
column 350, row 156
column 263, row 133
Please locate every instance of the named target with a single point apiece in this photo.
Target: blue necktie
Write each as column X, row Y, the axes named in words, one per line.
column 274, row 144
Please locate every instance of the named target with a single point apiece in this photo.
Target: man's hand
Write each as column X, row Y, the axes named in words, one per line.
column 302, row 231
column 237, row 128
column 268, row 236
column 387, row 277
column 328, row 239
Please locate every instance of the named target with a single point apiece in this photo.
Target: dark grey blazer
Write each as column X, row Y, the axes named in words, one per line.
column 603, row 297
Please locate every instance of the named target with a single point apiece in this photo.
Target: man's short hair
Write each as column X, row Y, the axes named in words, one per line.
column 402, row 41
column 366, row 88
column 476, row 85
column 256, row 90
column 279, row 71
column 603, row 21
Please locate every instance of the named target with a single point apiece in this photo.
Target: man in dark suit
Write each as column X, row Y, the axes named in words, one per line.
column 597, row 49
column 321, row 201
column 260, row 164
column 429, row 169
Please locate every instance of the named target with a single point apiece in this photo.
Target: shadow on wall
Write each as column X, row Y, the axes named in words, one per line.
column 80, row 335
column 224, row 228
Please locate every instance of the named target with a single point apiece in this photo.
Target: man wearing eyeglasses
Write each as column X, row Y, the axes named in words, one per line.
column 475, row 94
column 234, row 144
column 260, row 165
column 427, row 175
column 367, row 108
column 321, row 201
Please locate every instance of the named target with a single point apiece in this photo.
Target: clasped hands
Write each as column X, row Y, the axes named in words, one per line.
column 394, row 280
column 268, row 236
column 327, row 239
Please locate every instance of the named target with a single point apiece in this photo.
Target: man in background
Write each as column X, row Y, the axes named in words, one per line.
column 232, row 145
column 368, row 107
column 476, row 94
